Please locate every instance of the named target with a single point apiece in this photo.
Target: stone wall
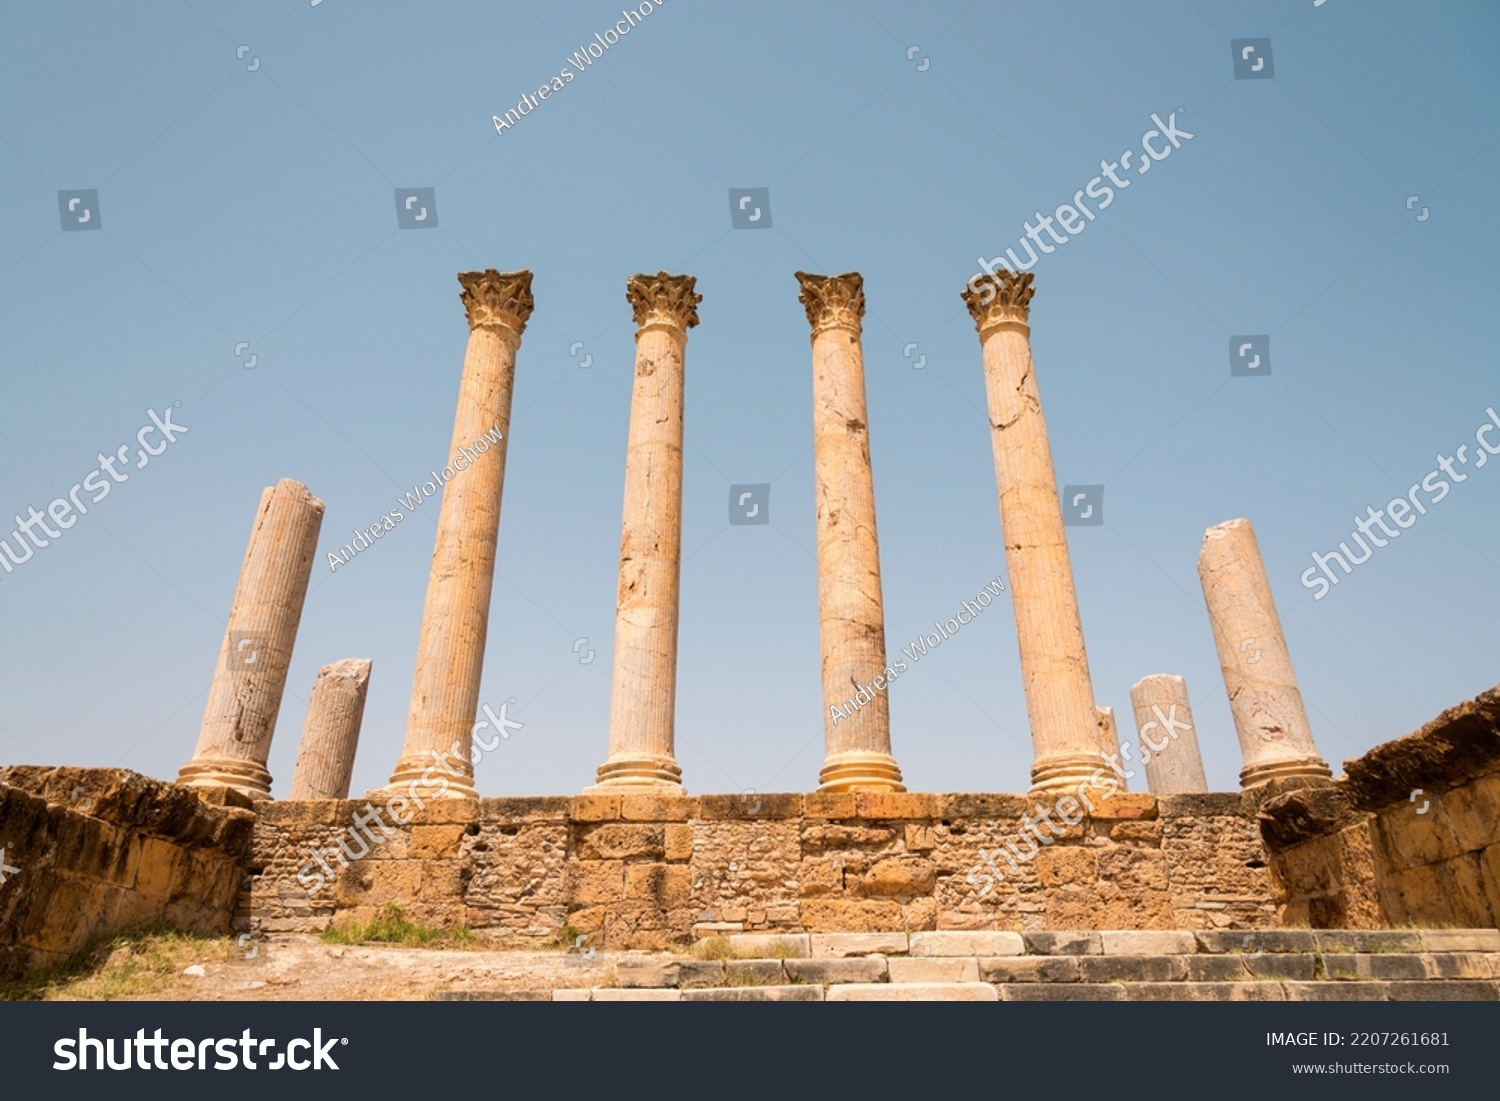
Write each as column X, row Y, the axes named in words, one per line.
column 641, row 869
column 1409, row 836
column 89, row 852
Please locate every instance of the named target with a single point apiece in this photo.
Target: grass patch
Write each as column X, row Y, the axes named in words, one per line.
column 720, row 948
column 390, row 926
column 134, row 964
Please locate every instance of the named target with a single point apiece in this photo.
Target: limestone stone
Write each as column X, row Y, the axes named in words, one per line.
column 1147, row 943
column 839, row 945
column 1266, row 703
column 244, row 699
column 455, row 618
column 1066, row 729
column 913, row 992
column 779, row 944
column 1460, row 940
column 1164, row 718
column 933, row 970
column 1108, row 968
column 615, row 994
column 851, row 615
column 900, row 877
column 330, row 735
column 966, row 943
column 756, row 994
column 644, row 685
column 1063, row 992
column 1063, row 943
column 857, row 969
column 1049, row 969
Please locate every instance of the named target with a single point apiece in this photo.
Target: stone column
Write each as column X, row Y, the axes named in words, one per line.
column 1263, row 696
column 643, row 696
column 331, row 733
column 245, row 697
column 1168, row 739
column 455, row 619
column 1109, row 741
column 851, row 615
column 1054, row 666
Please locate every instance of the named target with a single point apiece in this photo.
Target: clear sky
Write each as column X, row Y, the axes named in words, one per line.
column 248, row 196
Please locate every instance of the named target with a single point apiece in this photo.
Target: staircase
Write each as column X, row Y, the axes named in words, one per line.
column 1299, row 965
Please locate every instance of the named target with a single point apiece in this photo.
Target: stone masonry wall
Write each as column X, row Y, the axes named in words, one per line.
column 89, row 852
column 1409, row 836
column 637, row 870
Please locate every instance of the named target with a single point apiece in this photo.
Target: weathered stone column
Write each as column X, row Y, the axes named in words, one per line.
column 643, row 697
column 1109, row 741
column 851, row 615
column 1054, row 665
column 1169, row 741
column 455, row 619
column 330, row 735
column 1263, row 696
column 245, row 697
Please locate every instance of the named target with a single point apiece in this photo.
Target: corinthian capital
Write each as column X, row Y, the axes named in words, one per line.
column 497, row 299
column 833, row 300
column 663, row 299
column 1005, row 296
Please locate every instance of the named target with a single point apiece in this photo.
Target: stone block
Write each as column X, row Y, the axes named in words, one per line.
column 889, row 805
column 700, row 973
column 1068, row 865
column 435, row 842
column 1124, row 805
column 1461, row 965
column 1219, row 969
column 966, row 943
column 1133, row 869
column 1256, row 940
column 1449, row 991
column 1062, row 992
column 669, row 886
column 581, row 995
column 904, row 969
column 614, row 994
column 1337, row 991
column 1147, row 943
column 756, row 994
column 595, row 880
column 1205, row 992
column 658, row 808
column 1284, row 965
column 595, row 808
column 919, row 838
column 1109, row 968
column 855, row 969
column 1049, row 969
column 1460, row 940
column 622, row 841
column 1063, row 943
column 838, row 945
column 1145, row 833
column 900, row 877
column 913, row 992
column 758, row 972
column 829, row 804
column 648, row 972
column 753, row 804
column 833, row 915
column 988, row 806
column 1368, row 940
column 678, row 841
column 797, row 945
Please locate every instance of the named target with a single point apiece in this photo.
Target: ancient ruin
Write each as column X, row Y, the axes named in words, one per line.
column 1079, row 888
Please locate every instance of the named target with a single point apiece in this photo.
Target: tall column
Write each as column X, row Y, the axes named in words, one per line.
column 1267, row 706
column 455, row 619
column 1109, row 741
column 245, row 697
column 851, row 615
column 643, row 697
column 1168, row 739
column 331, row 733
column 1054, row 665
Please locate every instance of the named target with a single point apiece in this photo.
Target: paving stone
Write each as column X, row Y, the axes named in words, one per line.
column 913, row 992
column 1384, row 967
column 699, row 973
column 1205, row 992
column 1132, row 968
column 1282, row 965
column 755, row 994
column 1337, row 991
column 1460, row 940
column 934, row 970
column 763, row 972
column 1051, row 969
column 1344, row 941
column 1063, row 992
column 1256, row 940
column 772, row 944
column 858, row 969
column 581, row 995
column 616, row 994
column 966, row 943
column 1063, row 944
column 1461, row 965
column 1147, row 943
column 1452, row 990
column 837, row 945
column 492, row 996
column 1220, row 969
column 644, row 973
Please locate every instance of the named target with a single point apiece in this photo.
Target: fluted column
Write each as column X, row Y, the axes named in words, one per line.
column 1169, row 740
column 325, row 761
column 851, row 615
column 455, row 619
column 245, row 697
column 643, row 696
column 1109, row 740
column 1065, row 728
column 1264, row 699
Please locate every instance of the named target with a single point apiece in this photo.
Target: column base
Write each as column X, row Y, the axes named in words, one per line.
column 431, row 780
column 1068, row 772
column 216, row 770
column 860, row 771
column 1261, row 772
column 644, row 773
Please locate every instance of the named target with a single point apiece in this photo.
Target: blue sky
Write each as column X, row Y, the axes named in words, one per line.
column 256, row 205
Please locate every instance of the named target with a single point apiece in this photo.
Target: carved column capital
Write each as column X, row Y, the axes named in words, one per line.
column 663, row 299
column 497, row 299
column 833, row 301
column 1001, row 299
